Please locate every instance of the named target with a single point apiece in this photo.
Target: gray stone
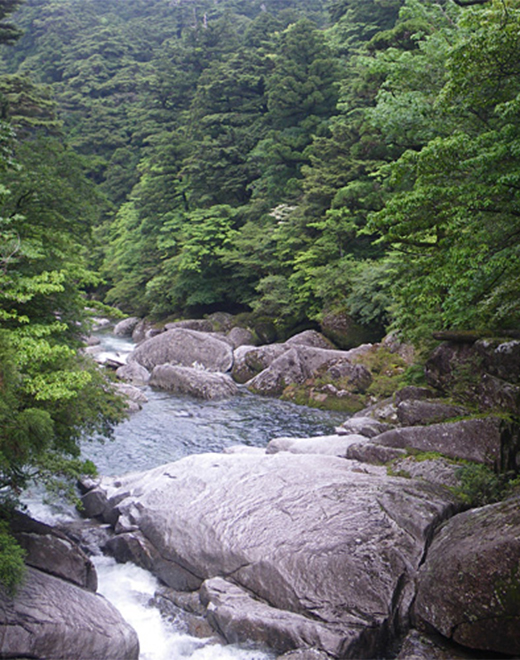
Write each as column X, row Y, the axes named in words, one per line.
column 133, row 395
column 435, row 470
column 134, row 373
column 489, row 440
column 384, row 411
column 358, row 377
column 419, row 412
column 495, row 393
column 185, row 348
column 448, row 362
column 309, row 535
column 468, row 588
column 332, row 445
column 51, row 551
column 304, row 654
column 240, row 337
column 201, row 325
column 202, row 384
column 284, row 371
column 126, row 327
column 248, row 361
column 310, row 338
column 51, row 618
column 369, row 452
column 144, row 330
column 419, row 646
column 500, row 358
column 366, row 426
column 412, row 392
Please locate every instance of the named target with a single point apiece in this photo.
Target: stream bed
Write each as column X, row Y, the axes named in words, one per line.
column 168, row 428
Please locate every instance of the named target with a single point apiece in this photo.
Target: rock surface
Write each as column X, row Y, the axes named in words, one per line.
column 312, row 537
column 184, row 347
column 196, row 382
column 51, row 618
column 126, row 327
column 133, row 395
column 469, row 586
column 332, row 445
column 488, row 440
column 419, row 412
column 133, row 373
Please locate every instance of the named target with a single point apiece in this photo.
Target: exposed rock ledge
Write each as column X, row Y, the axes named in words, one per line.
column 330, row 566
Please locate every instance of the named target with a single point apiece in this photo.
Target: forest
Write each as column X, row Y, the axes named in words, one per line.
column 284, row 159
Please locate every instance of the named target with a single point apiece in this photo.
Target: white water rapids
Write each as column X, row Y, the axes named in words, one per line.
column 168, row 428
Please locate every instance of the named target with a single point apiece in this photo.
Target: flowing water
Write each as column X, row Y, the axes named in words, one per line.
column 166, row 429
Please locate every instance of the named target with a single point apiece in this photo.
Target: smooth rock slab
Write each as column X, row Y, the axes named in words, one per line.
column 469, row 586
column 186, row 348
column 312, row 535
column 50, row 618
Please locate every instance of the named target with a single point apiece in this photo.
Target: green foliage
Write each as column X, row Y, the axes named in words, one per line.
column 12, row 567
column 480, row 485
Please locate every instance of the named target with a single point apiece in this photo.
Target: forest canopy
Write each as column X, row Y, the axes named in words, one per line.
column 290, row 159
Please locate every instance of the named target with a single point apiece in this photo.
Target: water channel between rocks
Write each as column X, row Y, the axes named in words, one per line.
column 166, row 429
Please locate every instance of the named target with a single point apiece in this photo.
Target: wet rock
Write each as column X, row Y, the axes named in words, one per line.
column 468, row 588
column 133, row 395
column 307, row 535
column 51, row 551
column 489, row 440
column 419, row 412
column 52, row 618
column 185, row 348
column 332, row 445
column 134, row 373
column 126, row 327
column 202, row 384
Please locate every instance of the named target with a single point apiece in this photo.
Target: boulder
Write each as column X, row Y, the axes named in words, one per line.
column 51, row 551
column 310, row 338
column 333, row 445
column 358, row 378
column 201, row 325
column 469, row 585
column 195, row 382
column 304, row 654
column 419, row 646
column 51, row 618
column 134, row 373
column 126, row 327
column 240, row 337
column 300, row 362
column 500, row 358
column 185, row 348
column 419, row 412
column 365, row 426
column 496, row 393
column 285, row 370
column 144, row 330
column 369, row 452
column 489, row 440
column 330, row 549
column 450, row 362
column 344, row 332
column 412, row 392
column 133, row 395
column 248, row 361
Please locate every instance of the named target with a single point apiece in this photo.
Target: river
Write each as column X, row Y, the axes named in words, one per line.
column 166, row 429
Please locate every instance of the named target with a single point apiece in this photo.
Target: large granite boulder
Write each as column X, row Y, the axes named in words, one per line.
column 248, row 361
column 489, row 440
column 420, row 412
column 310, row 338
column 333, row 445
column 185, row 348
column 51, row 618
column 202, row 384
column 201, row 325
column 134, row 373
column 469, row 585
column 329, row 566
column 126, row 327
column 134, row 397
column 300, row 362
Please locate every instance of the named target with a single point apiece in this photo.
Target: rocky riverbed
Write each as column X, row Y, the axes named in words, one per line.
column 336, row 546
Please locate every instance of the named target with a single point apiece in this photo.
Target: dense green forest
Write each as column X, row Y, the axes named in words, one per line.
column 288, row 159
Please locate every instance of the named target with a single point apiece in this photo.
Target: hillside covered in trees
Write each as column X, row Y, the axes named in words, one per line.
column 284, row 158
